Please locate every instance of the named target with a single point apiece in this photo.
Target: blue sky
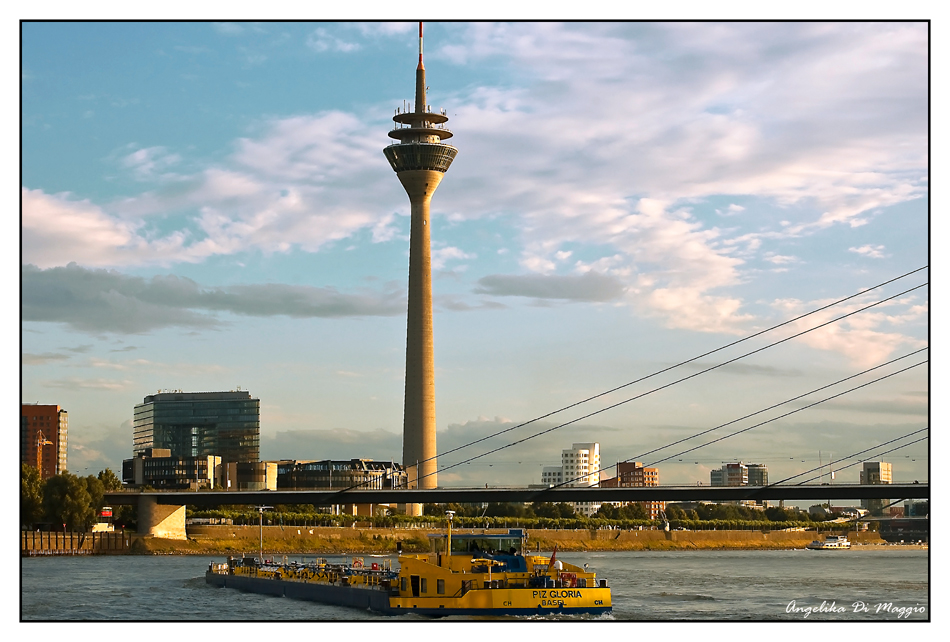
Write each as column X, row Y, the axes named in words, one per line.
column 206, row 206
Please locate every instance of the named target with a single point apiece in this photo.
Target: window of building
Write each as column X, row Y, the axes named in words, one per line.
column 424, row 585
column 440, row 587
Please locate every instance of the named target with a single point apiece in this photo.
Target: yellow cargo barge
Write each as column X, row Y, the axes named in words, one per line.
column 470, row 574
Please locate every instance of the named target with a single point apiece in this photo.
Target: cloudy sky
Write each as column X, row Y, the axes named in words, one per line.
column 207, row 206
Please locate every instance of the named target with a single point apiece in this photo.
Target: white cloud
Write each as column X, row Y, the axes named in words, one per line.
column 56, row 230
column 870, row 251
column 732, row 210
column 440, row 256
column 779, row 259
column 151, row 163
column 321, row 41
column 373, row 29
column 228, row 28
column 866, row 338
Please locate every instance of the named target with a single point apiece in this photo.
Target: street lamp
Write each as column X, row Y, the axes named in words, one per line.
column 261, row 509
column 448, row 545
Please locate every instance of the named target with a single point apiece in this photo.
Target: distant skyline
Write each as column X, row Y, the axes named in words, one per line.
column 207, row 206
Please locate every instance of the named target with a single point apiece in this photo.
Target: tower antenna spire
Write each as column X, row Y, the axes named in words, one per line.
column 420, row 47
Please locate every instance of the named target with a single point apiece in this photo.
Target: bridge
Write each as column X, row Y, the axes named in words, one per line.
column 162, row 514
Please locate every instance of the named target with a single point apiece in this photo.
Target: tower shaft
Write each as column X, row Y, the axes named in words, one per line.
column 419, row 447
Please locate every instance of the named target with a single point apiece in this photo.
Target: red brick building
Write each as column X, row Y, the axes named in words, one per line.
column 633, row 474
column 43, row 438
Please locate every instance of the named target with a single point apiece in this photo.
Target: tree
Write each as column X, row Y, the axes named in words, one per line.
column 66, row 500
column 96, row 489
column 109, row 480
column 545, row 509
column 31, row 495
column 634, row 511
column 675, row 512
column 565, row 510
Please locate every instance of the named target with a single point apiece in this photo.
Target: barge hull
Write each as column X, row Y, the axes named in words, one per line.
column 349, row 596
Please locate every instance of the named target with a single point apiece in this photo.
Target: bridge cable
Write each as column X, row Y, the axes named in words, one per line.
column 620, row 403
column 758, row 412
column 792, row 412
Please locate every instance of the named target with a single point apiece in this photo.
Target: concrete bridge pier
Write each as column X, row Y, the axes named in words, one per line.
column 166, row 521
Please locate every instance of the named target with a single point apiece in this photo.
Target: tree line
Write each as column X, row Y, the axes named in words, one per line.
column 67, row 501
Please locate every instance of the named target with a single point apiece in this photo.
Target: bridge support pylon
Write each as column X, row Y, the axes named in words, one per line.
column 166, row 521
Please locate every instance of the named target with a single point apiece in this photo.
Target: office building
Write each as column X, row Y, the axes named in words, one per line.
column 420, row 160
column 199, row 424
column 356, row 474
column 326, row 474
column 43, row 431
column 160, row 469
column 758, row 474
column 730, row 475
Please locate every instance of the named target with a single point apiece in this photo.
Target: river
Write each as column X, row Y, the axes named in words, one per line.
column 659, row 586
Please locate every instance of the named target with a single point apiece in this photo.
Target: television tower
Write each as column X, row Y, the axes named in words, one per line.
column 420, row 160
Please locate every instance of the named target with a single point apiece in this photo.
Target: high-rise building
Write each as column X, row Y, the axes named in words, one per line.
column 580, row 467
column 420, row 160
column 875, row 472
column 198, row 424
column 43, row 430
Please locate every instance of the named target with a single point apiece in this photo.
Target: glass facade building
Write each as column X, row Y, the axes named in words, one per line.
column 198, row 424
column 365, row 474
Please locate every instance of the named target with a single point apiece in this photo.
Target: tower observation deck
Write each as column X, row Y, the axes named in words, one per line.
column 420, row 160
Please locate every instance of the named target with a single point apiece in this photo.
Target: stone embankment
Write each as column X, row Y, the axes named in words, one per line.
column 232, row 540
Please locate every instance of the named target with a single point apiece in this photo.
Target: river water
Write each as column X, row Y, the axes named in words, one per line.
column 658, row 586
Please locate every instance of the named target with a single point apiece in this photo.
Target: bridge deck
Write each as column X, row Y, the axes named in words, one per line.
column 480, row 495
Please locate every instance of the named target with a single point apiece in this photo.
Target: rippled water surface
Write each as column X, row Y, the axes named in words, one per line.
column 680, row 585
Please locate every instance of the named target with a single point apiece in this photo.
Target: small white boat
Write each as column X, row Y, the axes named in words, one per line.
column 830, row 542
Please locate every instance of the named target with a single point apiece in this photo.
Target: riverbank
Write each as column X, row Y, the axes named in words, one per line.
column 235, row 540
